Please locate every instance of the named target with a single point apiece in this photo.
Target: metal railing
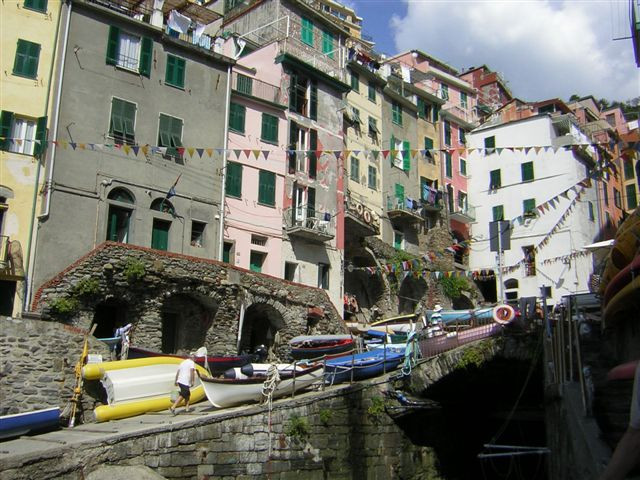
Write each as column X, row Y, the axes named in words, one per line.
column 308, row 218
column 437, row 344
column 256, row 88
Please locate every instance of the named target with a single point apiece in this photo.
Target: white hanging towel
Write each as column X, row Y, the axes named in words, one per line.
column 178, row 22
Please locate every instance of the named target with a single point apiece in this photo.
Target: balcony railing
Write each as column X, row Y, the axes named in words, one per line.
column 463, row 214
column 307, row 223
column 404, row 209
column 458, row 112
column 256, row 88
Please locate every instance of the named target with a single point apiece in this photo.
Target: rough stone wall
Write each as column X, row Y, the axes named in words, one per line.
column 37, row 362
column 222, row 288
column 348, row 436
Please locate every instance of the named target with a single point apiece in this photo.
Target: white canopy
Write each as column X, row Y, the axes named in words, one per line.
column 603, row 244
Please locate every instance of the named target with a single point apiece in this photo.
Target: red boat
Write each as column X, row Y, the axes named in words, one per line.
column 312, row 347
column 217, row 365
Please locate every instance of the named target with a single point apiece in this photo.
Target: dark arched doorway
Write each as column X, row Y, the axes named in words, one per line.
column 259, row 327
column 185, row 321
column 410, row 293
column 108, row 315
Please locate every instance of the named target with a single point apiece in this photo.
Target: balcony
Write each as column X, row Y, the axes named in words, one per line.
column 257, row 89
column 460, row 115
column 307, row 224
column 397, row 209
column 463, row 214
column 360, row 220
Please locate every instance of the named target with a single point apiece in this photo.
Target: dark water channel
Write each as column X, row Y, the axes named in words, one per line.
column 500, row 404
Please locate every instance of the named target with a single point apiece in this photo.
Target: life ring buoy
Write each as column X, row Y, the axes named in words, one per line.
column 359, row 208
column 367, row 216
column 503, row 314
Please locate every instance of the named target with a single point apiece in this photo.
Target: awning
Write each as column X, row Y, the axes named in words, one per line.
column 603, row 244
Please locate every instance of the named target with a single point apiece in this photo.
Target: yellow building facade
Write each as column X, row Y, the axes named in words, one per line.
column 29, row 31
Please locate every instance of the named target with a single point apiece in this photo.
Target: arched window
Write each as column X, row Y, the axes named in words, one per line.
column 121, row 205
column 163, row 205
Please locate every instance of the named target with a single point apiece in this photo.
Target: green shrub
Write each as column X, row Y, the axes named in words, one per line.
column 64, row 306
column 134, row 270
column 325, row 416
column 87, row 287
column 454, row 286
column 377, row 407
column 297, row 427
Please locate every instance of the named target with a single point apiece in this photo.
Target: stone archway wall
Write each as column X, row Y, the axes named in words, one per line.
column 143, row 278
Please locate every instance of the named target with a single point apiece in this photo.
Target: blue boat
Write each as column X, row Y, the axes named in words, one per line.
column 361, row 365
column 28, row 422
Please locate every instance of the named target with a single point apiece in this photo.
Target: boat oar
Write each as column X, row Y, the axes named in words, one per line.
column 77, row 391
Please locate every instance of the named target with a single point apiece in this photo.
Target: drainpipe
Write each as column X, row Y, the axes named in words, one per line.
column 224, row 163
column 33, row 230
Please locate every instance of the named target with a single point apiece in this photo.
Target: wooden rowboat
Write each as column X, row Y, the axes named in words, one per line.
column 251, row 381
column 313, row 347
column 362, row 365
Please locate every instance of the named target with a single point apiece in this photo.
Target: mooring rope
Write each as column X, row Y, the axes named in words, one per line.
column 269, row 386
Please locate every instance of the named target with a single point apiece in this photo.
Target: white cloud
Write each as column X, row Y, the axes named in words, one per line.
column 543, row 49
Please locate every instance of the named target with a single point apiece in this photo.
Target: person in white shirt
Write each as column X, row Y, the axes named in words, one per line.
column 185, row 379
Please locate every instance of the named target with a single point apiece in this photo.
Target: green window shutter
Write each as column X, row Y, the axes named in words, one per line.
column 527, row 171
column 307, row 31
column 175, row 71
column 123, row 116
column 628, row 169
column 490, row 142
column 495, row 180
column 160, row 235
column 233, row 185
column 428, row 143
column 237, row 114
column 406, row 156
column 421, row 108
column 528, row 206
column 448, row 166
column 311, row 202
column 41, row 137
column 399, row 189
column 39, row 5
column 170, row 134
column 313, row 104
column 256, row 259
column 447, row 133
column 269, row 128
column 498, row 213
column 113, row 45
column 372, row 92
column 313, row 160
column 327, row 43
column 146, row 54
column 632, row 200
column 355, row 82
column 244, row 84
column 392, row 146
column 26, row 60
column 164, row 132
column 6, row 119
column 293, row 92
column 267, row 188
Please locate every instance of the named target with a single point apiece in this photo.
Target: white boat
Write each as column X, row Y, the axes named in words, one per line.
column 247, row 384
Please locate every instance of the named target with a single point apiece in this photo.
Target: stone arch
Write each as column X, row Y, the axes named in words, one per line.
column 261, row 322
column 368, row 289
column 186, row 317
column 410, row 293
column 108, row 315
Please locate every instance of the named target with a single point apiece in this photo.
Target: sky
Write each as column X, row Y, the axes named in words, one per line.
column 543, row 49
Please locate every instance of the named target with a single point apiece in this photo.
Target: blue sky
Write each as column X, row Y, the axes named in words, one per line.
column 543, row 49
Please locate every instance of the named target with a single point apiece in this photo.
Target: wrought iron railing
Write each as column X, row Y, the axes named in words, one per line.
column 256, row 88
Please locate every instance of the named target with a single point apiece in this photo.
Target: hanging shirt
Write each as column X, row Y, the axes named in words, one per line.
column 178, row 22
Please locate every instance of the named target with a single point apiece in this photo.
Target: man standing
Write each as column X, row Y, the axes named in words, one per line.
column 185, row 379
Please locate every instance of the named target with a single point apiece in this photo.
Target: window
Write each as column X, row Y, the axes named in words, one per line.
column 424, row 110
column 256, row 261
column 617, row 199
column 307, row 31
column 121, row 204
column 373, row 177
column 490, row 142
column 463, row 167
column 356, row 117
column 448, row 167
column 129, row 51
column 313, row 156
column 175, row 71
column 463, row 100
column 462, row 201
column 160, row 234
column 628, row 169
column 529, row 207
column 290, row 271
column 355, row 169
column 323, row 276
column 498, row 213
column 399, row 196
column 244, row 84
column 373, row 127
column 397, row 159
column 396, row 113
column 435, row 113
column 444, row 91
column 605, row 194
column 197, row 233
column 267, row 188
column 26, row 60
column 611, row 119
column 398, row 240
column 355, row 82
column 372, row 92
column 632, row 199
column 592, row 216
column 123, row 118
column 233, row 184
column 303, row 145
column 428, row 147
column 39, row 5
column 163, row 205
column 170, row 134
column 327, row 44
column 23, row 135
column 495, row 180
column 269, row 128
column 237, row 115
column 527, row 171
column 462, row 136
column 303, row 93
column 447, row 132
column 529, row 260
column 227, row 252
